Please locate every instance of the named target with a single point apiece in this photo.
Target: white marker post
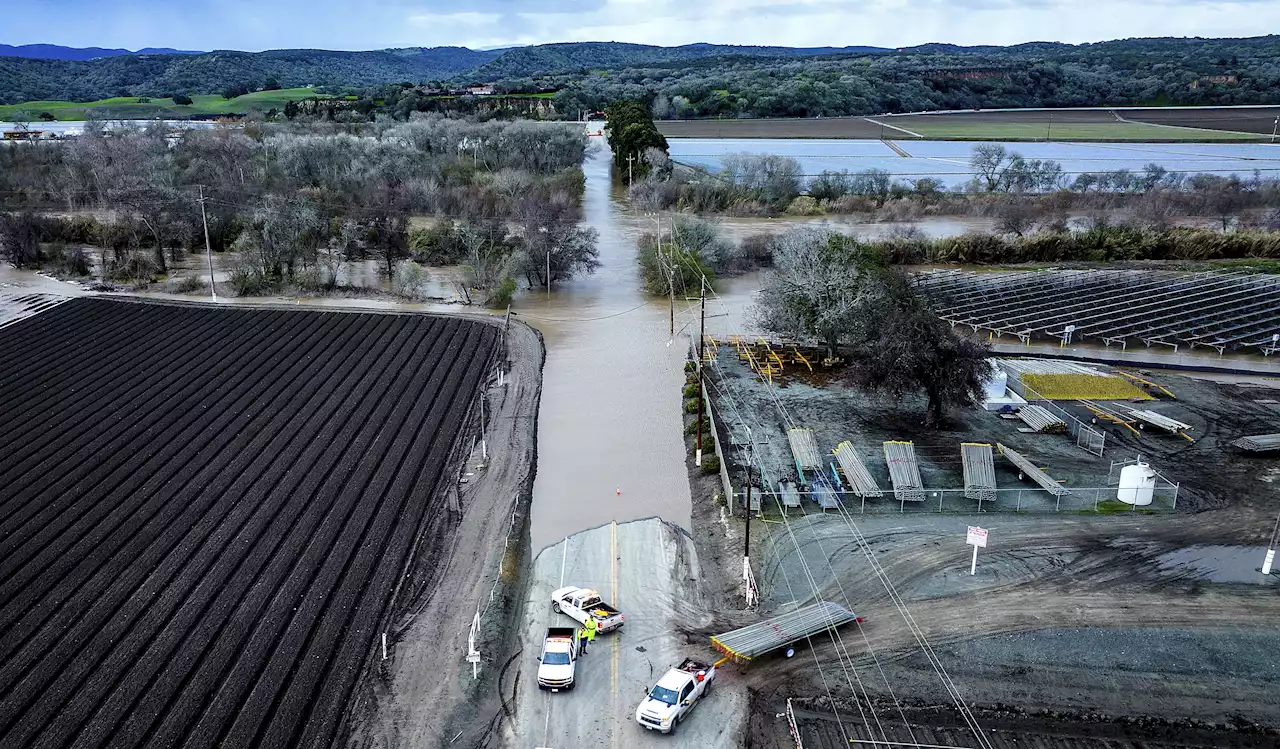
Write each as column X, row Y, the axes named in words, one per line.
column 977, row 537
column 1266, row 563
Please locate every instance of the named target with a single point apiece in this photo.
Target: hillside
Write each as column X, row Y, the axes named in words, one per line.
column 58, row 52
column 544, row 59
column 160, row 75
column 701, row 80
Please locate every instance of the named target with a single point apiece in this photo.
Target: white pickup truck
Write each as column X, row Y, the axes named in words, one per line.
column 559, row 659
column 675, row 695
column 580, row 603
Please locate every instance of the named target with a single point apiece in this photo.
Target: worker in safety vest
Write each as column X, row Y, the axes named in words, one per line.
column 590, row 627
column 582, row 641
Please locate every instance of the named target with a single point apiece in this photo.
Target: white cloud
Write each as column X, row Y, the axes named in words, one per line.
column 373, row 24
column 456, row 19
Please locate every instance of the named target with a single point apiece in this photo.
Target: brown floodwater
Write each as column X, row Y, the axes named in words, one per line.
column 610, row 418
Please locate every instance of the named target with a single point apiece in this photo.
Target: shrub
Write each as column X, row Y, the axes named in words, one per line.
column 189, row 285
column 691, row 406
column 137, row 267
column 691, row 366
column 69, row 261
column 803, row 205
column 249, row 280
column 182, row 100
column 710, row 463
column 692, row 426
column 409, row 280
column 501, row 297
column 691, row 390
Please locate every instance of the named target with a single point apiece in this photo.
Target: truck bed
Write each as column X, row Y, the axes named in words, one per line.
column 693, row 666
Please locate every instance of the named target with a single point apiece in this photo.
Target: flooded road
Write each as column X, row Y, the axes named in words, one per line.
column 610, row 416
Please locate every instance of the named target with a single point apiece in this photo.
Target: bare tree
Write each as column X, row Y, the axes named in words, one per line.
column 816, row 288
column 990, row 161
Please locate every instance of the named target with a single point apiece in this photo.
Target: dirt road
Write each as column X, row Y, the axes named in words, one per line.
column 426, row 693
column 649, row 570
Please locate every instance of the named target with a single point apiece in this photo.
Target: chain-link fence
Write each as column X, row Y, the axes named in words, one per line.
column 1101, row 500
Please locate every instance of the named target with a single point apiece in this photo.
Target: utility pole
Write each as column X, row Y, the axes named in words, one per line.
column 1274, row 126
column 746, row 544
column 208, row 249
column 702, row 336
column 548, row 271
column 1049, row 133
column 630, row 158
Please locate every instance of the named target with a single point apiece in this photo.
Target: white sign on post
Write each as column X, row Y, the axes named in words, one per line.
column 977, row 537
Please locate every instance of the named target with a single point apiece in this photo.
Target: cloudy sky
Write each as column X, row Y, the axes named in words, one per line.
column 374, row 24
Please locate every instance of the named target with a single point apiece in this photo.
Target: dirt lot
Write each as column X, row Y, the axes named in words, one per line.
column 207, row 513
column 1076, row 626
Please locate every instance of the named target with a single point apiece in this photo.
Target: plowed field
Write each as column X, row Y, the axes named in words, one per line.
column 204, row 513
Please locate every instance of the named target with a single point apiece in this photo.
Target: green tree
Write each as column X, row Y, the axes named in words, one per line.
column 630, row 131
column 907, row 348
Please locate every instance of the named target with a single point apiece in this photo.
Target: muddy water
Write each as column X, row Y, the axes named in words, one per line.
column 610, row 415
column 1219, row 564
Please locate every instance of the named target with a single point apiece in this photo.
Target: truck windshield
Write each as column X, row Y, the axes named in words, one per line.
column 664, row 695
column 556, row 659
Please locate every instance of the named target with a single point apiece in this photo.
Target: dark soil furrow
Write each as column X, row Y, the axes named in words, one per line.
column 83, row 396
column 78, row 430
column 180, row 570
column 324, row 710
column 287, row 535
column 186, row 428
column 233, row 699
column 110, row 349
column 205, row 511
column 138, row 547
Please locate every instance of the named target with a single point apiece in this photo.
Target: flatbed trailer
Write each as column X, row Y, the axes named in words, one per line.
column 757, row 639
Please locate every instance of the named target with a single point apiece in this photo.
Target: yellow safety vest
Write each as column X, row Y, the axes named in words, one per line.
column 591, row 627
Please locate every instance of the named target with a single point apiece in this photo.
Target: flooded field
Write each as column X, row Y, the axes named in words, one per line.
column 948, row 161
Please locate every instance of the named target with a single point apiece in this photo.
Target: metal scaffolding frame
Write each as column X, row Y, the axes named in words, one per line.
column 979, row 471
column 804, row 448
column 1230, row 311
column 1032, row 472
column 904, row 471
column 860, row 481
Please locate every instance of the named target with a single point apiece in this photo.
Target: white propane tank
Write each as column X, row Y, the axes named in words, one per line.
column 1137, row 484
column 999, row 382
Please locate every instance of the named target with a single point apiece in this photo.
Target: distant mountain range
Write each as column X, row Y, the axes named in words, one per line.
column 49, row 72
column 40, row 72
column 57, row 52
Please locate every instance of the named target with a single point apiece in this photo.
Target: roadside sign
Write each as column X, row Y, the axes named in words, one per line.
column 977, row 537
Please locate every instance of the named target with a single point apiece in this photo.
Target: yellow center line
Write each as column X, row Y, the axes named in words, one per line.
column 617, row 647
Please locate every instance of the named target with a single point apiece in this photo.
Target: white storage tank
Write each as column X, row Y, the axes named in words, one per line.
column 999, row 382
column 1137, row 484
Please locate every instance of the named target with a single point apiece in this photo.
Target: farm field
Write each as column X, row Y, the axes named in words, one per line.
column 206, row 513
column 826, row 127
column 128, row 107
column 1146, row 124
column 1081, row 124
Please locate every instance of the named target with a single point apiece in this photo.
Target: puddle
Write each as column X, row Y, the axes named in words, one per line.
column 1219, row 564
